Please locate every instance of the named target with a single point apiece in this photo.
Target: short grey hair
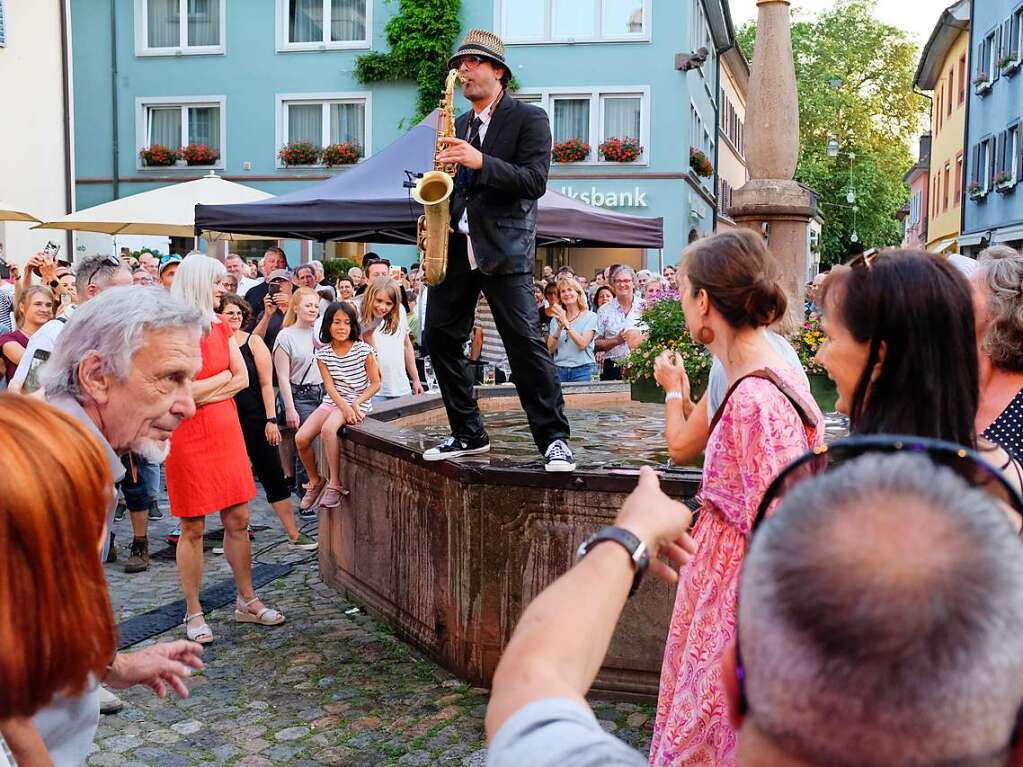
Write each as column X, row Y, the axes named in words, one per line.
column 303, row 267
column 317, row 265
column 1000, row 271
column 96, row 270
column 193, row 284
column 112, row 326
column 626, row 269
column 881, row 619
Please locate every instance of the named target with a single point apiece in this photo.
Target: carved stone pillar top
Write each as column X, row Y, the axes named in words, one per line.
column 772, row 108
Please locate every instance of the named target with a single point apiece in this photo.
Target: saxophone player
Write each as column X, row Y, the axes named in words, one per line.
column 502, row 148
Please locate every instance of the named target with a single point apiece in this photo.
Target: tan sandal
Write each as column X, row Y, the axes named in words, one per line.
column 265, row 617
column 202, row 634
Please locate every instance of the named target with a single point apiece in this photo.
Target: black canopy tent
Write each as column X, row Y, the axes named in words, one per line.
column 368, row 203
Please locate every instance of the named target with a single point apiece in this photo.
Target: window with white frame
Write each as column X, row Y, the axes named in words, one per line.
column 172, row 27
column 323, row 119
column 699, row 30
column 174, row 123
column 914, row 208
column 538, row 21
column 318, row 24
column 596, row 115
column 1010, row 157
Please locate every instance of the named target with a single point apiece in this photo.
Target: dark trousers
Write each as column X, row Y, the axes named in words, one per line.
column 266, row 463
column 450, row 313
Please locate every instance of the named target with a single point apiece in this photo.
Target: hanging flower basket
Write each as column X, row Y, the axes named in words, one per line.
column 158, row 156
column 199, row 154
column 700, row 163
column 573, row 150
column 626, row 149
column 299, row 153
column 345, row 153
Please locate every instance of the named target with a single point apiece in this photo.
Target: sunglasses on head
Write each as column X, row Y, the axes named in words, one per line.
column 965, row 463
column 108, row 261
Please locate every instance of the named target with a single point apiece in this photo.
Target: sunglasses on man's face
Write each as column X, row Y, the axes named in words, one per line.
column 470, row 62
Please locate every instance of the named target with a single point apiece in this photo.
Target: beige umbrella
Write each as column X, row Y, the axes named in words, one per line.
column 10, row 213
column 168, row 211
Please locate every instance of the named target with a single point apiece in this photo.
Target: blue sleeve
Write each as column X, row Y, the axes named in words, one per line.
column 557, row 732
column 553, row 327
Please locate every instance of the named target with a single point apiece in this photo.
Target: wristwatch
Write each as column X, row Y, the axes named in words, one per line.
column 272, row 419
column 637, row 550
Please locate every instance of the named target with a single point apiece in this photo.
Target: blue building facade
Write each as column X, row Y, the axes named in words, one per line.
column 245, row 77
column 993, row 208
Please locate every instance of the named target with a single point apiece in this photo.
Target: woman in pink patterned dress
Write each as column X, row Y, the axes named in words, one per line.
column 730, row 295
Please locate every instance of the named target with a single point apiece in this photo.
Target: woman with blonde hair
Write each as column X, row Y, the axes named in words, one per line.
column 385, row 328
column 300, row 387
column 573, row 328
column 208, row 469
column 34, row 309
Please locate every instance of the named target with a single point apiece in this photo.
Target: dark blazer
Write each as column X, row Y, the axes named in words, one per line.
column 501, row 196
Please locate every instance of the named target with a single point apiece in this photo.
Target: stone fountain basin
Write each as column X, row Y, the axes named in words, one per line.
column 450, row 553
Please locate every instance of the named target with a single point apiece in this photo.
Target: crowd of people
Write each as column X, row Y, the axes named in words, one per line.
column 220, row 377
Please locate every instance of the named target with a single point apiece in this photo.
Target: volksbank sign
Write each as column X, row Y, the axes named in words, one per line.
column 593, row 196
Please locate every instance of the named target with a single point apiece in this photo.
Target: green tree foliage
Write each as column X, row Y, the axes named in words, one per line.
column 855, row 81
column 422, row 37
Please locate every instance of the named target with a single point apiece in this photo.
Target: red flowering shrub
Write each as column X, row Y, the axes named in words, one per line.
column 626, row 149
column 572, row 150
column 345, row 153
column 701, row 165
column 199, row 154
column 157, row 155
column 299, row 153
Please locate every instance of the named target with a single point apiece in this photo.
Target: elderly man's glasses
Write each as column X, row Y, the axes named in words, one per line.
column 108, row 261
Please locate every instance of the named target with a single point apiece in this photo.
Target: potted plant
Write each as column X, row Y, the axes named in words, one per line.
column 625, row 149
column 807, row 342
column 665, row 329
column 199, row 154
column 982, row 82
column 1003, row 181
column 572, row 150
column 345, row 153
column 1008, row 64
column 157, row 156
column 976, row 190
column 700, row 163
column 299, row 153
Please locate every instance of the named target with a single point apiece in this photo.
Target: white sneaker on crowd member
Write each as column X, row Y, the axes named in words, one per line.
column 108, row 702
column 559, row 457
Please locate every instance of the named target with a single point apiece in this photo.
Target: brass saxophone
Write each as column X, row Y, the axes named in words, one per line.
column 433, row 192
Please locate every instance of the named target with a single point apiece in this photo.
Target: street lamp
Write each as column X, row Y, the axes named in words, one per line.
column 833, row 146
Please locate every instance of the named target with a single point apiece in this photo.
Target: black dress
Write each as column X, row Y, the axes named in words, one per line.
column 265, row 461
column 1007, row 428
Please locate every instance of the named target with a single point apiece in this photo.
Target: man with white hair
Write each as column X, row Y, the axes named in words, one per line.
column 123, row 367
column 613, row 318
column 880, row 621
column 236, row 267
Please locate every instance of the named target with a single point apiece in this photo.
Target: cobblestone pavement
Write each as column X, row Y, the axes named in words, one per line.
column 330, row 686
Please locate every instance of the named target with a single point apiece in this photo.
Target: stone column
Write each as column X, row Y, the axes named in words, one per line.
column 771, row 202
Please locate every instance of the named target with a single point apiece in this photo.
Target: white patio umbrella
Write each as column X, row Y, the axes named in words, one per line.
column 11, row 213
column 168, row 211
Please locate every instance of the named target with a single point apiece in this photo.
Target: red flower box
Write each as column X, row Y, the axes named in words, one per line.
column 299, row 153
column 625, row 149
column 345, row 153
column 158, row 156
column 572, row 150
column 199, row 154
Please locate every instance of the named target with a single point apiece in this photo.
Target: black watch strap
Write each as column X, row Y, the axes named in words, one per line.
column 637, row 550
column 272, row 419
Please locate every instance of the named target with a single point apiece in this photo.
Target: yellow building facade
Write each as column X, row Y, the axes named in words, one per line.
column 944, row 72
column 731, row 171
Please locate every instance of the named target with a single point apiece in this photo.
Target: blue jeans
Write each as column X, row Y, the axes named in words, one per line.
column 141, row 491
column 583, row 373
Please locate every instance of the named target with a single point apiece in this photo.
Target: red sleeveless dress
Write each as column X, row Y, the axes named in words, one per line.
column 208, row 467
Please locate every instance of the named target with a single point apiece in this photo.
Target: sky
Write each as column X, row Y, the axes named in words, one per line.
column 918, row 17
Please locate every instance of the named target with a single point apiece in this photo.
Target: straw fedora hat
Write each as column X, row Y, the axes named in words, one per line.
column 480, row 42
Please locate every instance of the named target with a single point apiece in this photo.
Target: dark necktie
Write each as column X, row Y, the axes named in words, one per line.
column 474, row 132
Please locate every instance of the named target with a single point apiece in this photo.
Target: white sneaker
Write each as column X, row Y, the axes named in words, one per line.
column 108, row 702
column 559, row 457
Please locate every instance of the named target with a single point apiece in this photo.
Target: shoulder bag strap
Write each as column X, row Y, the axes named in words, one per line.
column 805, row 413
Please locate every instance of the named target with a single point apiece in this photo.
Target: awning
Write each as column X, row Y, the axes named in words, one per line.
column 1008, row 234
column 970, row 240
column 941, row 245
